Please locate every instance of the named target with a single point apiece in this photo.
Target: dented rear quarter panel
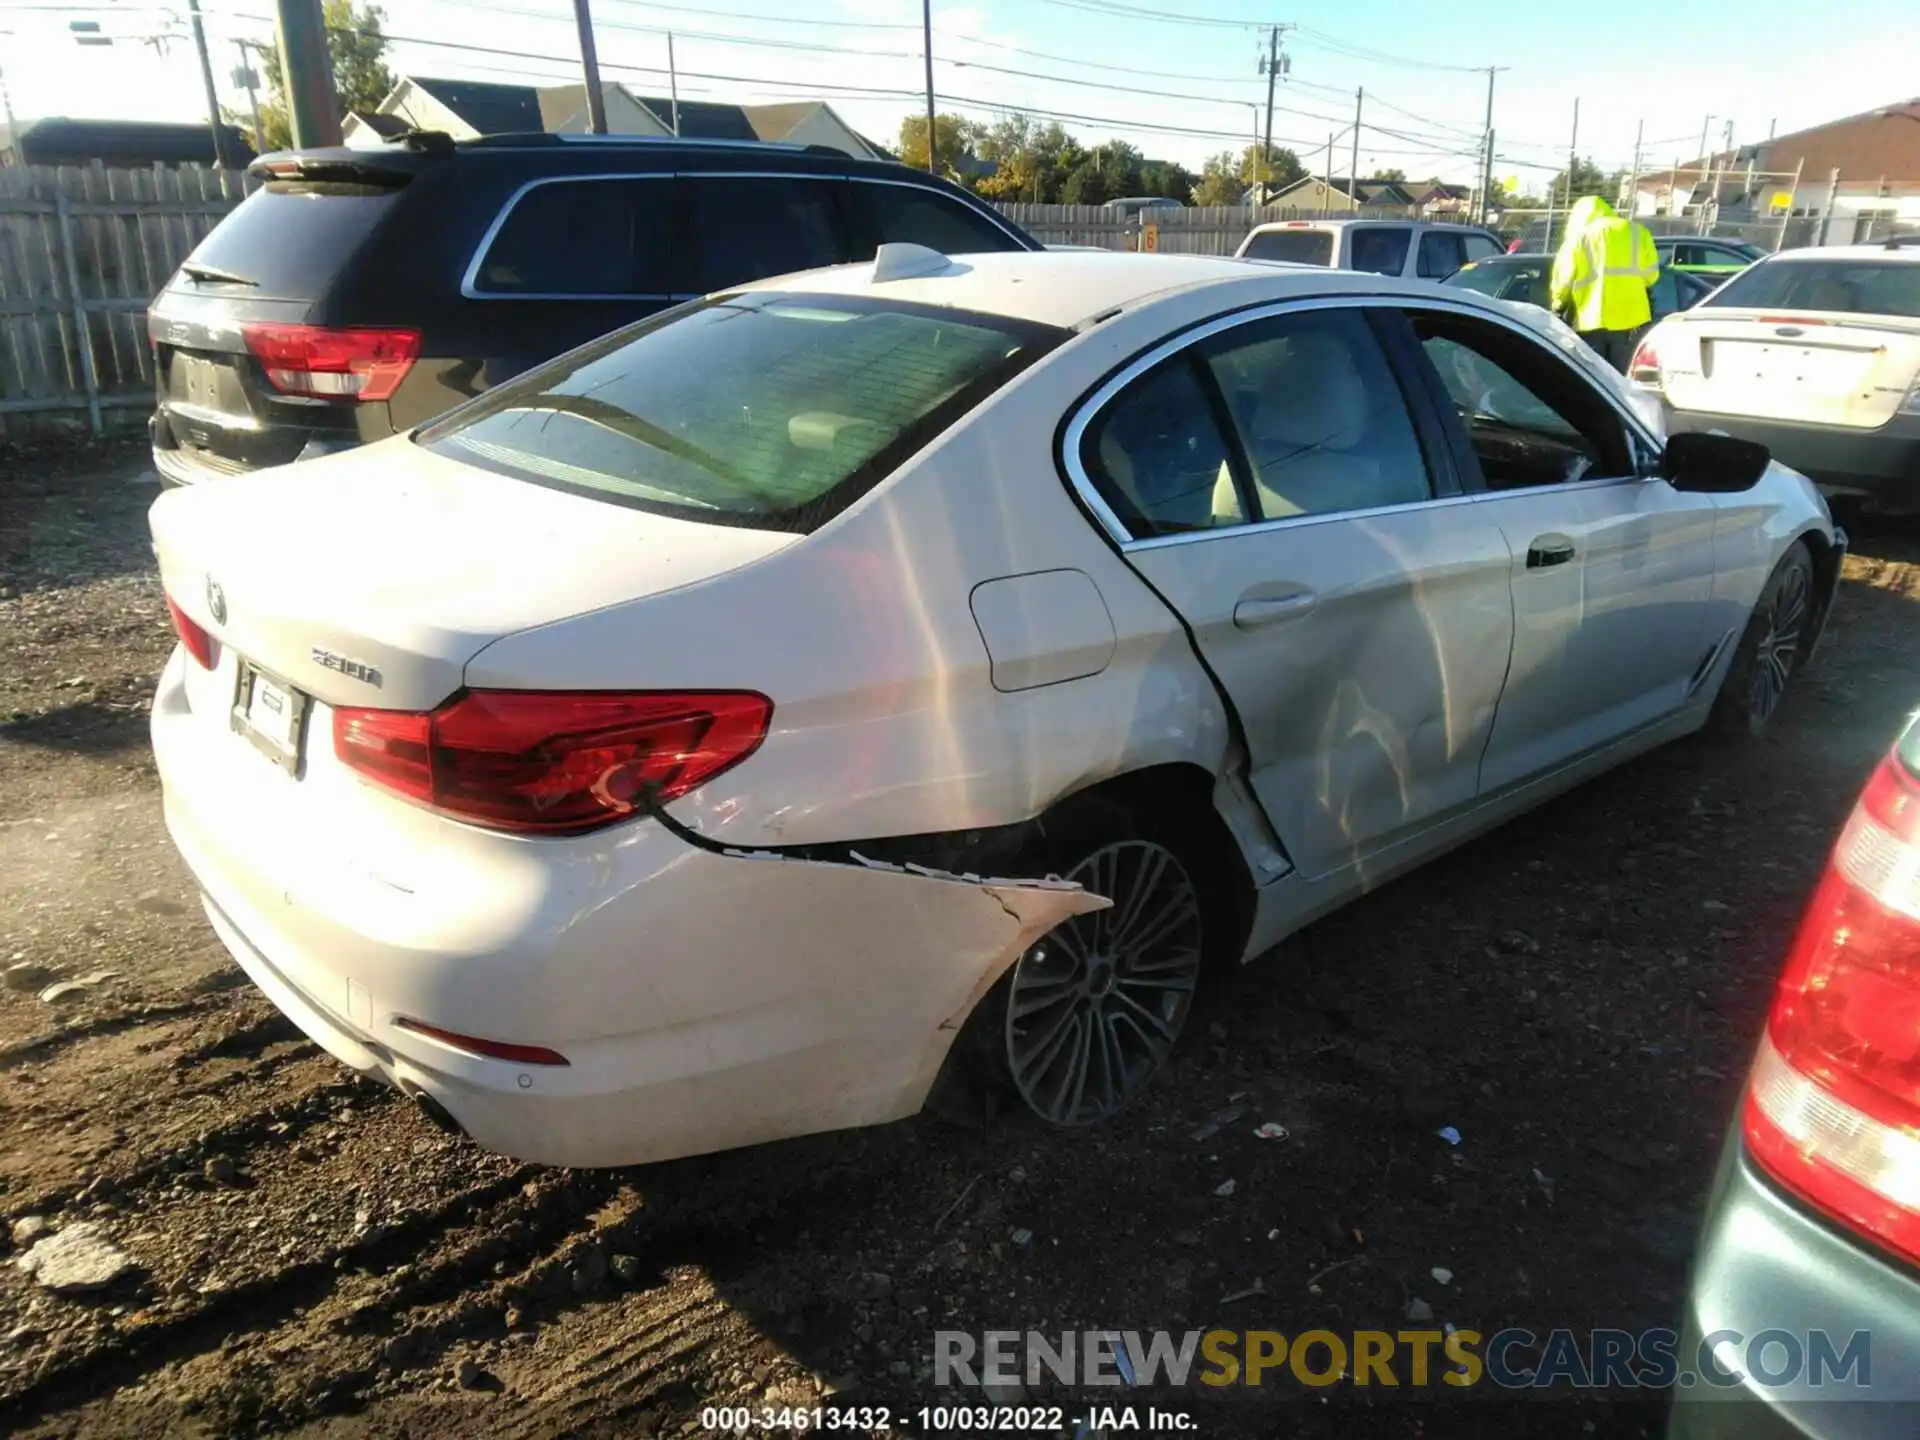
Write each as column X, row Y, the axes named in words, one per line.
column 887, row 720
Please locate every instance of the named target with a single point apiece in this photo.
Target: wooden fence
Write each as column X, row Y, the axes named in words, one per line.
column 82, row 250
column 1196, row 230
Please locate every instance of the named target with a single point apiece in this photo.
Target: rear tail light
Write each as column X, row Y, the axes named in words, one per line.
column 312, row 360
column 1833, row 1104
column 192, row 635
column 538, row 762
column 487, row 1049
column 1644, row 368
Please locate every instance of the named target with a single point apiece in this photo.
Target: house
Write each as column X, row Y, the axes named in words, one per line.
column 1437, row 200
column 120, row 144
column 1376, row 199
column 465, row 109
column 1849, row 175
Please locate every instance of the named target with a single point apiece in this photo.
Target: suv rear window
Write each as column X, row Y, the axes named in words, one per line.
column 1846, row 287
column 1298, row 247
column 291, row 238
column 768, row 410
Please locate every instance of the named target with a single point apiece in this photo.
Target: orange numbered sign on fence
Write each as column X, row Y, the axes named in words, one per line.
column 1150, row 238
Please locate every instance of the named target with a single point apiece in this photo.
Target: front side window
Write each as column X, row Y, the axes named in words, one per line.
column 746, row 228
column 1381, row 250
column 1441, row 253
column 771, row 411
column 1530, row 418
column 583, row 237
column 1479, row 247
column 1318, row 415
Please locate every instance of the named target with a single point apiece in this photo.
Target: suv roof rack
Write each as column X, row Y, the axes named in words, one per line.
column 534, row 139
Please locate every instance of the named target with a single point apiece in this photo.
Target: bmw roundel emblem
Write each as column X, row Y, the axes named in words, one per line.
column 216, row 601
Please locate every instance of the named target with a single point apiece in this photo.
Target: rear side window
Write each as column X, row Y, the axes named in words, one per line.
column 290, row 240
column 1846, row 287
column 1158, row 458
column 1382, row 251
column 746, row 228
column 766, row 410
column 592, row 237
column 1296, row 247
column 907, row 214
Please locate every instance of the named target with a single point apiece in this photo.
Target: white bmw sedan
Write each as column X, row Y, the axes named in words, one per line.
column 920, row 670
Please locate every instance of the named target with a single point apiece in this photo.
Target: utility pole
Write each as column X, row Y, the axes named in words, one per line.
column 1353, row 168
column 248, row 79
column 1261, row 161
column 1633, row 184
column 590, row 69
column 673, row 85
column 6, row 104
column 1573, row 152
column 306, row 73
column 926, row 34
column 1326, row 173
column 1486, row 168
column 220, row 155
column 1833, row 199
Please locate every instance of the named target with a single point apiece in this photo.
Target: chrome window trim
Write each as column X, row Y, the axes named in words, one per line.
column 469, row 282
column 1090, row 407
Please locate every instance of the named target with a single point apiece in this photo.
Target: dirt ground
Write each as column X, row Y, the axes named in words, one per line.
column 1577, row 994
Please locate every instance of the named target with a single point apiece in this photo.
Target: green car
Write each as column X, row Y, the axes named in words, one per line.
column 1705, row 254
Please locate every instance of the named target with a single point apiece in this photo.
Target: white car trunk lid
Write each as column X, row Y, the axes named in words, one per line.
column 1790, row 366
column 371, row 578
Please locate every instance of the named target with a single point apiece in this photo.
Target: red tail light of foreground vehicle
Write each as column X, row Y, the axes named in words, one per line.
column 192, row 634
column 539, row 762
column 1833, row 1104
column 327, row 364
column 1644, row 368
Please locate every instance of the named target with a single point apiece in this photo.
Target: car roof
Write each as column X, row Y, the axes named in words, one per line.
column 1069, row 287
column 1271, row 225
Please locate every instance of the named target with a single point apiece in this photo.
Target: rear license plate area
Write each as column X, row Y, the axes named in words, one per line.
column 197, row 381
column 271, row 715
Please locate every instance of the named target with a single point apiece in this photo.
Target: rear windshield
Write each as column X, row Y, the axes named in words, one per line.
column 289, row 240
column 767, row 410
column 1847, row 287
column 1299, row 247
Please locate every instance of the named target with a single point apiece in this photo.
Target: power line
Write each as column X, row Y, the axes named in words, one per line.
column 1384, row 57
column 1134, row 12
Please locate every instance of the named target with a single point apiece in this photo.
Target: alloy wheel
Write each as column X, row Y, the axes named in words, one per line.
column 1779, row 646
column 1096, row 1004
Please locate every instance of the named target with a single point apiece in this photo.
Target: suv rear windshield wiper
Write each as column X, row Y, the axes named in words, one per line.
column 213, row 274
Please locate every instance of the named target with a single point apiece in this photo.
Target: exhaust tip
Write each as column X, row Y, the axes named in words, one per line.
column 441, row 1117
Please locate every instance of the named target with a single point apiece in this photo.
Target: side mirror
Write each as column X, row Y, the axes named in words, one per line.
column 1703, row 464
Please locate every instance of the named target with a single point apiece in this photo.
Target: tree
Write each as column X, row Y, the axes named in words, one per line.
column 1588, row 179
column 357, row 46
column 1031, row 161
column 1281, row 169
column 1165, row 177
column 1388, row 175
column 957, row 137
column 1220, row 182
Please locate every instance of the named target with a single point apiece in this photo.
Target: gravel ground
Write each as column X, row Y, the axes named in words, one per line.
column 1577, row 994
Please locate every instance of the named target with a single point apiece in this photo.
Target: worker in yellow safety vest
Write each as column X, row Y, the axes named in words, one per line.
column 1602, row 272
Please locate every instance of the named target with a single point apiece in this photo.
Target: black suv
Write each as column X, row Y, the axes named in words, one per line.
column 358, row 293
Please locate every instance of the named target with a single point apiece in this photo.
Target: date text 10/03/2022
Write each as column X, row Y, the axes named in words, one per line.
column 952, row 1419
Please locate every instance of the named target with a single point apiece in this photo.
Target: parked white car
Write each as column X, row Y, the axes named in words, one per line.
column 1415, row 249
column 621, row 764
column 1813, row 353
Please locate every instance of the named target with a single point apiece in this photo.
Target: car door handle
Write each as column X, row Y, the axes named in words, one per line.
column 1266, row 609
column 1549, row 550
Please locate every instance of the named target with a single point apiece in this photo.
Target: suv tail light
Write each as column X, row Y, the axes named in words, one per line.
column 1644, row 368
column 327, row 364
column 552, row 763
column 1833, row 1103
column 192, row 634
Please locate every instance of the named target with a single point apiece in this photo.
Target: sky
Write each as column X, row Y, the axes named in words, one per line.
column 1177, row 78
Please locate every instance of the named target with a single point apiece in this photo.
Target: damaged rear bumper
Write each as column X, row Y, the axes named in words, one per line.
column 702, row 1000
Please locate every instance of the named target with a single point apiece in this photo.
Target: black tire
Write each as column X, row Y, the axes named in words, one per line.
column 1769, row 650
column 1078, row 1026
